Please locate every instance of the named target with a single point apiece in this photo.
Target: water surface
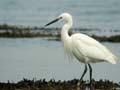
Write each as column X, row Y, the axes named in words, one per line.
column 39, row 58
column 103, row 14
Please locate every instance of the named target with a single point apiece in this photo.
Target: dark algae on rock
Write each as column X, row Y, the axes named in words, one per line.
column 42, row 84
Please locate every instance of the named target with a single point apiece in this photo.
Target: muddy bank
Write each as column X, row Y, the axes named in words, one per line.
column 12, row 31
column 74, row 84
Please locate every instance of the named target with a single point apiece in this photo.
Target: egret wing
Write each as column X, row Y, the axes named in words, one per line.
column 87, row 48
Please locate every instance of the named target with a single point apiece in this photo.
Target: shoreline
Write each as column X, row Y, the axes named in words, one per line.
column 74, row 84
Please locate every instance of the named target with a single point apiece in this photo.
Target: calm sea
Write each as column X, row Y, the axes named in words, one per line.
column 103, row 14
column 38, row 58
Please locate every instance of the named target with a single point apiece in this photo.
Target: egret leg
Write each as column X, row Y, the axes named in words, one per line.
column 85, row 70
column 90, row 74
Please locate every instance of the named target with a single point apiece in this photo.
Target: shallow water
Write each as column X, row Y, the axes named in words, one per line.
column 39, row 58
column 103, row 14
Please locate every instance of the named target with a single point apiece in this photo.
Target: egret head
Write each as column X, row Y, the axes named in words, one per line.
column 66, row 17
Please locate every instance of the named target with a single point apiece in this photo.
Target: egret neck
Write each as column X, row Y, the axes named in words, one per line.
column 66, row 39
column 66, row 28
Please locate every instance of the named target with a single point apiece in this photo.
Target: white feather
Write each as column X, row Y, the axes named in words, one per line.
column 87, row 49
column 81, row 46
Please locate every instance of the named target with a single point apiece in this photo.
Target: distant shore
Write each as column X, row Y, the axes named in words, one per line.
column 13, row 31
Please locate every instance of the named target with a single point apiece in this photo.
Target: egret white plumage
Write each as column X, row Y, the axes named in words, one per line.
column 86, row 49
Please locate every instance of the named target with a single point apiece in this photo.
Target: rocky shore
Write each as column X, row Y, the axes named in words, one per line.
column 13, row 31
column 74, row 84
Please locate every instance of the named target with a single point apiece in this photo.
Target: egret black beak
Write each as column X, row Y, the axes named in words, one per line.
column 53, row 21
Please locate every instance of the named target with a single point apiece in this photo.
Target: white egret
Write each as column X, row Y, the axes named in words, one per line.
column 86, row 49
